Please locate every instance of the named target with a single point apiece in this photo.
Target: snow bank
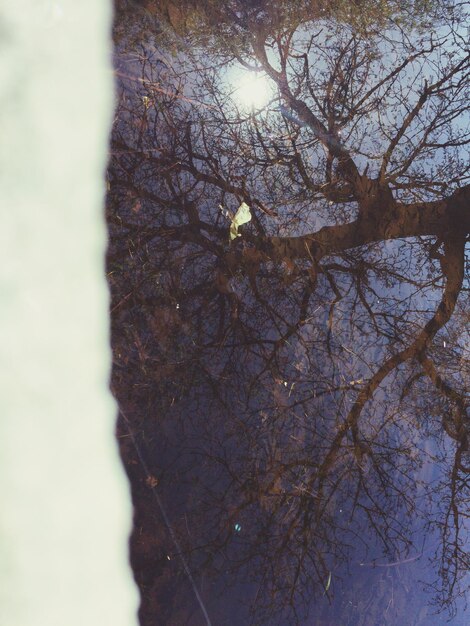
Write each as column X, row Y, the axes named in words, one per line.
column 65, row 510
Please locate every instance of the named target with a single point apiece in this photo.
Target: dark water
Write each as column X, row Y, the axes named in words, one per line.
column 294, row 411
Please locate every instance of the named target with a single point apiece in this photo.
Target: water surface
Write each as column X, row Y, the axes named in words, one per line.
column 292, row 386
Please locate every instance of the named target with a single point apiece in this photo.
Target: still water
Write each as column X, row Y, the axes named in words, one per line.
column 288, row 212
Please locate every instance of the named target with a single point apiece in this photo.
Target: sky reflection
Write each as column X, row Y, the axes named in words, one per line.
column 294, row 418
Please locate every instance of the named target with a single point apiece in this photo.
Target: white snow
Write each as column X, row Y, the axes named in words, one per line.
column 65, row 504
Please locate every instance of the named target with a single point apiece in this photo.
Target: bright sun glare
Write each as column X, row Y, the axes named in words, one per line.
column 252, row 90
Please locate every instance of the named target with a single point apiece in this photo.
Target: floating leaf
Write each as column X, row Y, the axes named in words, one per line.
column 242, row 216
column 151, row 481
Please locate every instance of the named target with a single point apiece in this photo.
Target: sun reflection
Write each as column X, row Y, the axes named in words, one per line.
column 252, row 90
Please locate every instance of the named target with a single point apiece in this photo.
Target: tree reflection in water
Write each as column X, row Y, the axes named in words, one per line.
column 296, row 395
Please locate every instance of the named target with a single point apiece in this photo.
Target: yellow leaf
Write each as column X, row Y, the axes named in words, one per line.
column 242, row 216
